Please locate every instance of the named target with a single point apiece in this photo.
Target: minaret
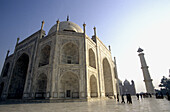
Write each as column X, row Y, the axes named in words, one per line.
column 146, row 75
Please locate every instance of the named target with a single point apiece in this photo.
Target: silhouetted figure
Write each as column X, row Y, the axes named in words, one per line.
column 117, row 97
column 168, row 96
column 123, row 101
column 129, row 99
column 156, row 95
column 145, row 95
column 161, row 95
column 137, row 96
column 141, row 95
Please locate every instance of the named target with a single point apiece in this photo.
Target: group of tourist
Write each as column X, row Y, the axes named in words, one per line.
column 140, row 95
column 168, row 96
column 143, row 95
column 128, row 97
column 158, row 95
column 161, row 96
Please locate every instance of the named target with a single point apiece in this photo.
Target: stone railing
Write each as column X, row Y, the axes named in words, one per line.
column 74, row 95
column 42, row 95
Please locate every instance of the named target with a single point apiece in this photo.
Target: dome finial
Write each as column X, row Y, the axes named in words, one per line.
column 57, row 26
column 94, row 31
column 109, row 48
column 42, row 25
column 84, row 27
column 57, row 21
column 67, row 17
column 17, row 40
column 7, row 53
column 140, row 50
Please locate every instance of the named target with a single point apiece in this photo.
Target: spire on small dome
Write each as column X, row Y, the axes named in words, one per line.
column 42, row 25
column 57, row 21
column 7, row 53
column 140, row 50
column 109, row 48
column 17, row 40
column 84, row 27
column 94, row 31
column 57, row 25
column 84, row 24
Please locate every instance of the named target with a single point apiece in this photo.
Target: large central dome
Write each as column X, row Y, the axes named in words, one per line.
column 66, row 26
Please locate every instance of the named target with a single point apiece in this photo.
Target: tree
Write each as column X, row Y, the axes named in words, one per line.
column 165, row 85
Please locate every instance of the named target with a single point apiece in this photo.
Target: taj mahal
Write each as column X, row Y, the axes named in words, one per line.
column 64, row 64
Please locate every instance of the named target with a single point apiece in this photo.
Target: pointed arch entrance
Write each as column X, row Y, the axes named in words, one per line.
column 108, row 84
column 6, row 70
column 69, row 86
column 70, row 54
column 42, row 83
column 18, row 79
column 93, row 86
column 92, row 59
column 45, row 56
column 1, row 88
column 41, row 86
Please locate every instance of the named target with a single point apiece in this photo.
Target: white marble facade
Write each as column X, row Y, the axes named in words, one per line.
column 64, row 64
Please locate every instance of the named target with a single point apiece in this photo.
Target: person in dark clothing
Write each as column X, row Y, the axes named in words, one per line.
column 123, row 101
column 117, row 97
column 137, row 96
column 156, row 95
column 162, row 96
column 150, row 95
column 130, row 99
column 141, row 95
column 168, row 96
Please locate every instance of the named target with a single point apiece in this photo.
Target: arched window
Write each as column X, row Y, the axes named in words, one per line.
column 18, row 79
column 42, row 83
column 107, row 78
column 1, row 88
column 92, row 60
column 6, row 70
column 70, row 54
column 93, row 86
column 45, row 56
column 69, row 86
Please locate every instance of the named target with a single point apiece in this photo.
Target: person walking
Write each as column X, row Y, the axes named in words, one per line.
column 127, row 97
column 117, row 97
column 123, row 101
column 137, row 96
column 130, row 99
column 141, row 95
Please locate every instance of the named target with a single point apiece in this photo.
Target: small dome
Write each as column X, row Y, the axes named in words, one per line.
column 126, row 82
column 66, row 26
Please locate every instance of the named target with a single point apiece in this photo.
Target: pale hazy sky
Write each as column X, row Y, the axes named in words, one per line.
column 123, row 24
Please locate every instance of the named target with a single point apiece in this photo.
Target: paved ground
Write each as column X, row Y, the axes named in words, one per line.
column 144, row 105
